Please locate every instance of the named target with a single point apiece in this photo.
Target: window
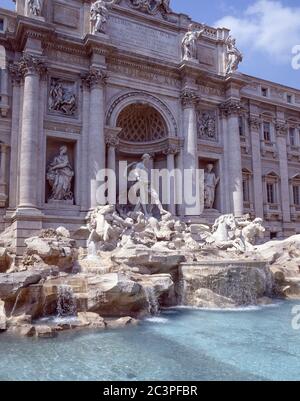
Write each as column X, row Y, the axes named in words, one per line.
column 289, row 99
column 1, row 24
column 296, row 195
column 241, row 126
column 246, row 190
column 267, row 131
column 264, row 92
column 271, row 194
column 292, row 136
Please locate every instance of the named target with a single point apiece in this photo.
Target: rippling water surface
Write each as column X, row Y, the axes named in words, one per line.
column 180, row 344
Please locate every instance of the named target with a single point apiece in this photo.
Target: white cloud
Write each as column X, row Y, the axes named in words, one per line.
column 267, row 26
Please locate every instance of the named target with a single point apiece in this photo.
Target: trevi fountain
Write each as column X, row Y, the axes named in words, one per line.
column 96, row 289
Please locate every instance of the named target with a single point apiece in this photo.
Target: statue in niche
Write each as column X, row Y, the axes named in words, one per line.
column 210, row 183
column 142, row 194
column 99, row 15
column 189, row 42
column 207, row 126
column 35, row 7
column 59, row 176
column 62, row 98
column 233, row 57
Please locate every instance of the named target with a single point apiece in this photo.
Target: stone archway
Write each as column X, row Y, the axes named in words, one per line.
column 137, row 124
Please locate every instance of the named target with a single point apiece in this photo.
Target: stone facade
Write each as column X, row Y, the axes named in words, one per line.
column 86, row 84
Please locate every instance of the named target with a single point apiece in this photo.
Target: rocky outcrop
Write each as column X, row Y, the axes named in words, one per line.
column 155, row 261
column 284, row 259
column 12, row 283
column 225, row 284
column 121, row 322
column 51, row 247
column 6, row 260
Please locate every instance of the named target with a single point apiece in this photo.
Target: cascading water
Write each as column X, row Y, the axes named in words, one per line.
column 153, row 304
column 66, row 303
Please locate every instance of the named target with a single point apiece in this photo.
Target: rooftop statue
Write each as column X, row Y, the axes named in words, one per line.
column 99, row 15
column 189, row 42
column 234, row 56
column 35, row 7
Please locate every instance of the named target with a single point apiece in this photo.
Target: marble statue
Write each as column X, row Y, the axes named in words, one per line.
column 140, row 174
column 61, row 98
column 210, row 184
column 189, row 42
column 59, row 176
column 99, row 15
column 234, row 56
column 35, row 7
column 252, row 231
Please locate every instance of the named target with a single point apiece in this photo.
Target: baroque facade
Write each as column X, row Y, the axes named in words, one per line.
column 85, row 84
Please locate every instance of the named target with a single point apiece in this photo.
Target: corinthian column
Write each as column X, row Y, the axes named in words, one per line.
column 281, row 133
column 171, row 152
column 96, row 144
column 30, row 68
column 112, row 141
column 255, row 125
column 231, row 111
column 190, row 159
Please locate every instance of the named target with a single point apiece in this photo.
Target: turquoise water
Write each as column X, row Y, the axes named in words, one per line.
column 182, row 344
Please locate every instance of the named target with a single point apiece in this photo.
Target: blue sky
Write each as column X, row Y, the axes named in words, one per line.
column 266, row 32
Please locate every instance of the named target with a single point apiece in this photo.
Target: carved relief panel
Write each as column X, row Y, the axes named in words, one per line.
column 62, row 97
column 207, row 125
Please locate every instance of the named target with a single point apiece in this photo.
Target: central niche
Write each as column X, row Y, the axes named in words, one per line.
column 141, row 123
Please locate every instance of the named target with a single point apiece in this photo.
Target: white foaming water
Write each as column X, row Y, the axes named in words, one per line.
column 66, row 304
column 157, row 319
column 248, row 308
column 153, row 305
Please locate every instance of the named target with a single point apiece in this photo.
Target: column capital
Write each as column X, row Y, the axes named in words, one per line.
column 95, row 77
column 231, row 108
column 281, row 128
column 189, row 98
column 111, row 139
column 172, row 149
column 27, row 65
column 254, row 123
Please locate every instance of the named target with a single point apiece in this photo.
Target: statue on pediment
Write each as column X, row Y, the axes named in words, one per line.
column 189, row 42
column 234, row 56
column 35, row 7
column 99, row 15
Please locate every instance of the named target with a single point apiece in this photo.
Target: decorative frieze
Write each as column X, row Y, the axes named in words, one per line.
column 152, row 7
column 189, row 98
